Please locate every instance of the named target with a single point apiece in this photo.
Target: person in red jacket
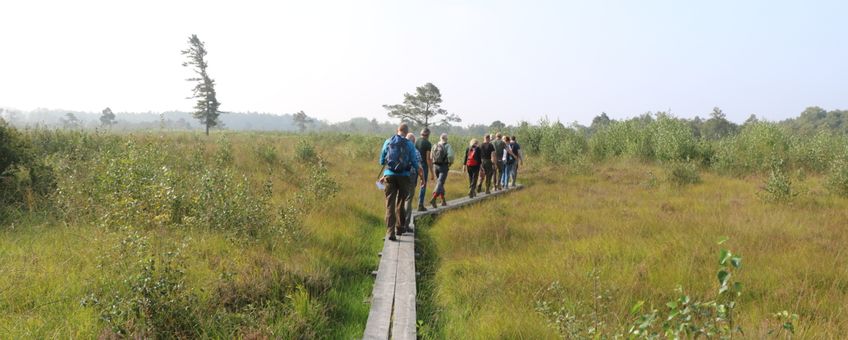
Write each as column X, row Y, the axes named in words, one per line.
column 472, row 165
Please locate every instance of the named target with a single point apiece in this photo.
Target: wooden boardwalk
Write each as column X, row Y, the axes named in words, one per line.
column 393, row 312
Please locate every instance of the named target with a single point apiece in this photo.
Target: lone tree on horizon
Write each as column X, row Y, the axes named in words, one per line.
column 422, row 108
column 206, row 109
column 301, row 120
column 107, row 117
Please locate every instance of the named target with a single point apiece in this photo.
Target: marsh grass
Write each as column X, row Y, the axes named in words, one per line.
column 640, row 243
column 276, row 234
column 263, row 255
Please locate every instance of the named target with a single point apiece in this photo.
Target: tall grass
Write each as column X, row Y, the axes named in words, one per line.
column 274, row 235
column 610, row 242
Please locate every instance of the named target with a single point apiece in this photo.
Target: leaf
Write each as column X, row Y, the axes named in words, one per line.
column 671, row 304
column 723, row 239
column 637, row 307
column 722, row 277
column 736, row 261
column 723, row 256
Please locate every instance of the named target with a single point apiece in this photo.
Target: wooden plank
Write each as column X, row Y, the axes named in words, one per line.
column 463, row 201
column 393, row 311
column 405, row 317
column 382, row 296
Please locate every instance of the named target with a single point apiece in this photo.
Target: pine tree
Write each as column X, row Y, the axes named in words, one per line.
column 107, row 117
column 206, row 109
column 422, row 108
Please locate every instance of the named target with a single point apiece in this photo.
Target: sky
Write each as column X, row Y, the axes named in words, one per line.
column 492, row 60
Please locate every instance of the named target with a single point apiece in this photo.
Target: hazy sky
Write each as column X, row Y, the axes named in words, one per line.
column 507, row 60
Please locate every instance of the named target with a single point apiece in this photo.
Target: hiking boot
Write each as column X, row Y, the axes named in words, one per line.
column 421, row 208
column 488, row 192
column 444, row 204
column 392, row 238
column 433, row 203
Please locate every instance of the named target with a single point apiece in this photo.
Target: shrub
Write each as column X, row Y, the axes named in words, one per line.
column 224, row 155
column 672, row 138
column 24, row 177
column 837, row 179
column 304, row 151
column 266, row 153
column 561, row 145
column 152, row 300
column 683, row 172
column 751, row 150
column 817, row 153
column 778, row 187
column 633, row 137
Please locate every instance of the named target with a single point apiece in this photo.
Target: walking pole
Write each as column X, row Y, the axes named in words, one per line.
column 380, row 174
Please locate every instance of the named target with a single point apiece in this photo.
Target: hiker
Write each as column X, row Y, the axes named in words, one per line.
column 442, row 155
column 424, row 146
column 472, row 165
column 398, row 159
column 499, row 145
column 519, row 156
column 414, row 175
column 487, row 170
column 509, row 163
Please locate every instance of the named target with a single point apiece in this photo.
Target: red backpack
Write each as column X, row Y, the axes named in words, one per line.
column 472, row 161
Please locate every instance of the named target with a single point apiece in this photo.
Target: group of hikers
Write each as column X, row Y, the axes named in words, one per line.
column 405, row 161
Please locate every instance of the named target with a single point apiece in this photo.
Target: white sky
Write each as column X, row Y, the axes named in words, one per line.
column 335, row 60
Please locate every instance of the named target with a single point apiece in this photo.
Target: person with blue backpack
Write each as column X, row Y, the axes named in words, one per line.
column 398, row 159
column 414, row 175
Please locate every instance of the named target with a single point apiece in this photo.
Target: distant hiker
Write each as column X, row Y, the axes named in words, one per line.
column 499, row 145
column 509, row 163
column 519, row 156
column 472, row 165
column 414, row 175
column 442, row 155
column 487, row 170
column 398, row 159
column 424, row 146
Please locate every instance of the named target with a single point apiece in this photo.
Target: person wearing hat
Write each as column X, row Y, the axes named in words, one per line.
column 424, row 146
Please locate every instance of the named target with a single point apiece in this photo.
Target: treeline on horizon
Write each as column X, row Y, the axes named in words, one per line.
column 716, row 125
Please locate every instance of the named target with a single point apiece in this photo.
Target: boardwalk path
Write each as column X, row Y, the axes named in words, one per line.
column 392, row 314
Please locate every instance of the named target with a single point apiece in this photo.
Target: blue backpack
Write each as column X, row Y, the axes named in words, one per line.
column 397, row 155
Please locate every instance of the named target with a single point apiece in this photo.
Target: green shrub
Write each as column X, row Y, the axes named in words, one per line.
column 837, row 179
column 778, row 186
column 633, row 138
column 561, row 145
column 817, row 153
column 683, row 172
column 304, row 151
column 266, row 153
column 24, row 177
column 750, row 150
column 672, row 139
column 152, row 300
